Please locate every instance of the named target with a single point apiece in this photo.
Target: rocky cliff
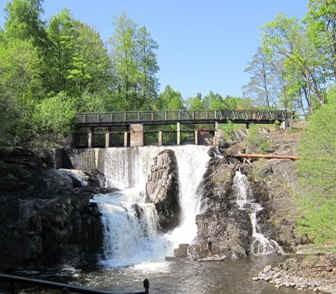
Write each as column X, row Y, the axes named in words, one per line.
column 46, row 216
column 223, row 228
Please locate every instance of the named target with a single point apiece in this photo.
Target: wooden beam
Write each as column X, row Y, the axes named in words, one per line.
column 267, row 156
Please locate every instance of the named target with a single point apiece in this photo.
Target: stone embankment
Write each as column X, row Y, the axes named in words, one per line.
column 46, row 216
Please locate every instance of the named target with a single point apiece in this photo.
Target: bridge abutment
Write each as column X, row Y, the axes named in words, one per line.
column 125, row 139
column 107, row 139
column 178, row 133
column 160, row 141
column 90, row 136
column 196, row 136
column 136, row 135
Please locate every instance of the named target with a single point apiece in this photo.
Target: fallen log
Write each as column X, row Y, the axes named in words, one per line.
column 267, row 156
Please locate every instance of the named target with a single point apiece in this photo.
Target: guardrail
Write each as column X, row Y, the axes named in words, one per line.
column 14, row 280
column 181, row 115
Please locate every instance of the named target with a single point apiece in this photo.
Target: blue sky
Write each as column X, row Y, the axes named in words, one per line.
column 204, row 45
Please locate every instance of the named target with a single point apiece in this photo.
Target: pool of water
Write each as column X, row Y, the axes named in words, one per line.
column 184, row 276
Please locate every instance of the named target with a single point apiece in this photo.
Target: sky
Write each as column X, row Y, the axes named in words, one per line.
column 203, row 45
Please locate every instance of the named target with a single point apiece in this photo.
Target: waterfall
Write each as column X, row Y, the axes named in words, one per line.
column 245, row 201
column 130, row 224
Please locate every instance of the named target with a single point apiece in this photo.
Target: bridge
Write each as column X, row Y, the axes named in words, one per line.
column 132, row 126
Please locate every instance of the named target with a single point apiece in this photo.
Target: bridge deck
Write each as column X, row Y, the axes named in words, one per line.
column 187, row 117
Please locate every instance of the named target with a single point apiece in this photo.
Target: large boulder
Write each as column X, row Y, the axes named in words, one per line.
column 162, row 189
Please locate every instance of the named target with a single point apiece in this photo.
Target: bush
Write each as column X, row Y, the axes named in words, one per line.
column 55, row 115
column 256, row 141
column 317, row 171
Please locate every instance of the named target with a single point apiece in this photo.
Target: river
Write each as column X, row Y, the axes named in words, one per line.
column 187, row 277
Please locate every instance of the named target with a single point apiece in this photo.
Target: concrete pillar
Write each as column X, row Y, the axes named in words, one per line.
column 160, row 138
column 90, row 138
column 125, row 139
column 136, row 135
column 196, row 136
column 107, row 139
column 178, row 133
column 216, row 135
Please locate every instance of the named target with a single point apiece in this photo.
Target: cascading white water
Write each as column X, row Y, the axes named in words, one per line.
column 245, row 201
column 130, row 234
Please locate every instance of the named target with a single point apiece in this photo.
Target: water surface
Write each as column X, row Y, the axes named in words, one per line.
column 188, row 277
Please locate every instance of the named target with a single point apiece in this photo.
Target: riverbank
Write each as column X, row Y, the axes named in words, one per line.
column 303, row 272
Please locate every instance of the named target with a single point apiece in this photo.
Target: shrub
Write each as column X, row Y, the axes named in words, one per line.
column 317, row 171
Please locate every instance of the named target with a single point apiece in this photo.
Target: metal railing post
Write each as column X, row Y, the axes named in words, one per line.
column 146, row 286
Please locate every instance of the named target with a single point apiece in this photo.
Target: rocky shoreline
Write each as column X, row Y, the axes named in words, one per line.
column 303, row 272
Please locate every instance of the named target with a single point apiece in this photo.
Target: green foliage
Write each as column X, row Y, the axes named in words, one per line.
column 170, row 99
column 229, row 129
column 195, row 103
column 23, row 22
column 317, row 170
column 54, row 115
column 256, row 140
column 134, row 65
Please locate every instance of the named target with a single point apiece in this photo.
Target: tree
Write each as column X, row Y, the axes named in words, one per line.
column 9, row 118
column 124, row 62
column 23, row 22
column 147, row 66
column 78, row 62
column 134, row 65
column 170, row 99
column 195, row 103
column 321, row 22
column 285, row 40
column 53, row 116
column 21, row 84
column 263, row 84
column 213, row 101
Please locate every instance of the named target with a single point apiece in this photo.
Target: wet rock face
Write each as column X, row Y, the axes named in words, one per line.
column 222, row 229
column 162, row 189
column 46, row 216
column 275, row 185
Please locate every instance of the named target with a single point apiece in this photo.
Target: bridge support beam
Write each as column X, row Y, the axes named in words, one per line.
column 136, row 135
column 160, row 138
column 216, row 135
column 125, row 139
column 107, row 139
column 90, row 135
column 196, row 136
column 178, row 133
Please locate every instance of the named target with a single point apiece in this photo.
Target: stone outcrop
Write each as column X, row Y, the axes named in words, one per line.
column 162, row 189
column 276, row 185
column 223, row 229
column 46, row 216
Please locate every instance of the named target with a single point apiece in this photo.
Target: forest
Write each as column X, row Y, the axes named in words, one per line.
column 52, row 69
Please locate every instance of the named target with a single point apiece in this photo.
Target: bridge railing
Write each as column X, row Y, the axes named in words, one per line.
column 15, row 282
column 181, row 115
